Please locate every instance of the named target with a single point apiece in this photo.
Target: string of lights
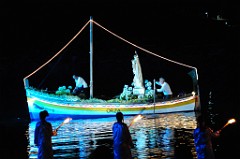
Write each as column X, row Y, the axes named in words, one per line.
column 24, row 79
column 119, row 37
column 145, row 50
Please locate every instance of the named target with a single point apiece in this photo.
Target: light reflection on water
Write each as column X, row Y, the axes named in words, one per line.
column 158, row 136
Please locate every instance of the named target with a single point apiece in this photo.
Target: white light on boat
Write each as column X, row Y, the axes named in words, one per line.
column 30, row 101
column 193, row 93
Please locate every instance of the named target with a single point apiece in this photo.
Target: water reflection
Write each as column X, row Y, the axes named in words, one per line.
column 158, row 136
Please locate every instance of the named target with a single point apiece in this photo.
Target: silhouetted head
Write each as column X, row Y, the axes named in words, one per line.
column 201, row 122
column 119, row 116
column 43, row 114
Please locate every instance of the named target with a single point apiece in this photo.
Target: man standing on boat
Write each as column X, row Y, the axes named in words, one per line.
column 81, row 85
column 165, row 88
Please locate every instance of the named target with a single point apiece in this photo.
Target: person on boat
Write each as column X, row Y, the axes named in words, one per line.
column 165, row 88
column 81, row 85
column 122, row 140
column 43, row 136
column 203, row 139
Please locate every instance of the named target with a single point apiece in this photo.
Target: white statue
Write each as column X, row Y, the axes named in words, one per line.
column 138, row 79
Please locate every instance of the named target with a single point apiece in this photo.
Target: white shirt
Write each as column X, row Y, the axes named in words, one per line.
column 81, row 82
column 165, row 88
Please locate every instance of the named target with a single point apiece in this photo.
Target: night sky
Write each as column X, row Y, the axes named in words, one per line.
column 188, row 33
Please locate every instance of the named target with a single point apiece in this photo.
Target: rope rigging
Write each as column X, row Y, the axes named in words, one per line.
column 25, row 78
column 145, row 50
column 119, row 37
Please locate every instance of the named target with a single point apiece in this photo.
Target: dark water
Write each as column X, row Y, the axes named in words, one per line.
column 153, row 136
column 167, row 136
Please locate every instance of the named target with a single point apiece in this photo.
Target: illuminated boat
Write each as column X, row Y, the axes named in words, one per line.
column 62, row 106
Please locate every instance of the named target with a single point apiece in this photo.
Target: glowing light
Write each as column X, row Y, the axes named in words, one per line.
column 230, row 121
column 138, row 117
column 30, row 101
column 67, row 120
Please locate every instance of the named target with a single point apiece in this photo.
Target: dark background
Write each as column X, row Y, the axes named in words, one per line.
column 33, row 32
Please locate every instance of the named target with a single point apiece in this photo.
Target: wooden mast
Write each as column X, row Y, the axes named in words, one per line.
column 91, row 58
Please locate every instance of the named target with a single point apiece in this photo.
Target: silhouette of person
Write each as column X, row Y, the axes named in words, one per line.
column 43, row 136
column 122, row 140
column 203, row 139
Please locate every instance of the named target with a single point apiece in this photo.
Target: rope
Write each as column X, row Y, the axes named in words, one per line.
column 141, row 48
column 24, row 79
column 59, row 59
column 145, row 50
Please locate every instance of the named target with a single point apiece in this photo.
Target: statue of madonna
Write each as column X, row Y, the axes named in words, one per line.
column 138, row 78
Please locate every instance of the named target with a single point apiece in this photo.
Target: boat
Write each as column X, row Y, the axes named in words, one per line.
column 135, row 100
